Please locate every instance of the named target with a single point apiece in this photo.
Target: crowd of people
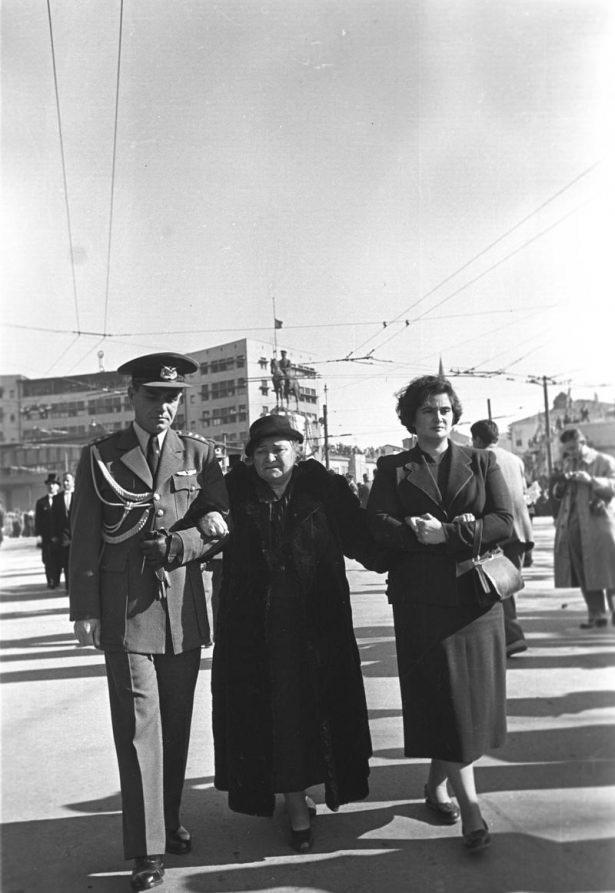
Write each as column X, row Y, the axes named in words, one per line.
column 152, row 522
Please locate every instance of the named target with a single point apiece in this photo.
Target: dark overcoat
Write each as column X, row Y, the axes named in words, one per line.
column 108, row 580
column 404, row 486
column 324, row 522
column 42, row 519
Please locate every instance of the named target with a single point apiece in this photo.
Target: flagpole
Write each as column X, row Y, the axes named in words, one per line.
column 275, row 337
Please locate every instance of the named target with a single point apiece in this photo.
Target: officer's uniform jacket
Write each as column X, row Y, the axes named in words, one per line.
column 115, row 505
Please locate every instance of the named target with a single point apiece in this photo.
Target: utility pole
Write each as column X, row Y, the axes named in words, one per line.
column 545, row 392
column 489, row 416
column 325, row 424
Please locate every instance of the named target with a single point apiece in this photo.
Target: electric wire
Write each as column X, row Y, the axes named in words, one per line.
column 63, row 160
column 491, row 245
column 62, row 355
column 113, row 165
column 490, row 269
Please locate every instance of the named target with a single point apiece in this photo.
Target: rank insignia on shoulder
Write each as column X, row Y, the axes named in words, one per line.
column 100, row 439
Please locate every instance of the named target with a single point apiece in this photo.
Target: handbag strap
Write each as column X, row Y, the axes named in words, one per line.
column 478, row 536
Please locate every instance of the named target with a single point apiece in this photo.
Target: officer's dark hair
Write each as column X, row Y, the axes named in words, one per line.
column 413, row 396
column 486, row 431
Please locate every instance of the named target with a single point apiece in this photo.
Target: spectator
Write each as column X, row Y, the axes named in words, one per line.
column 585, row 526
column 485, row 435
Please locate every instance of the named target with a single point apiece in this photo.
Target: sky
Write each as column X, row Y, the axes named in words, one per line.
column 358, row 163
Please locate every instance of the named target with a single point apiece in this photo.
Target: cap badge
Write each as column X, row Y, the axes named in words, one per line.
column 168, row 373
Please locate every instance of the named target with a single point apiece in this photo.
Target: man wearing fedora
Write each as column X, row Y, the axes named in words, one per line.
column 149, row 507
column 43, row 528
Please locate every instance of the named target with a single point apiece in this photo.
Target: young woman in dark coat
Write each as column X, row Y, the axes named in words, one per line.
column 450, row 651
column 289, row 706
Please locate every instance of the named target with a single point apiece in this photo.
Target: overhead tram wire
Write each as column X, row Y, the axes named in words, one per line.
column 485, row 272
column 64, row 180
column 117, row 335
column 113, row 164
column 62, row 355
column 491, row 245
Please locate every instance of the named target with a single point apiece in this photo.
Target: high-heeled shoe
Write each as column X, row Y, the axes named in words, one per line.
column 302, row 841
column 448, row 812
column 477, row 840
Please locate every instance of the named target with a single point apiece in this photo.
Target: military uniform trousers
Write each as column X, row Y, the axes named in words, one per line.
column 151, row 698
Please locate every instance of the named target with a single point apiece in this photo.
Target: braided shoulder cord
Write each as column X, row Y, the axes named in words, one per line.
column 129, row 502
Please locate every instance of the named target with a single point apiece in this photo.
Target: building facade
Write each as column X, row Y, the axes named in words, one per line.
column 46, row 421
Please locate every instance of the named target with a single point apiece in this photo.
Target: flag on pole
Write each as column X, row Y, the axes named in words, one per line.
column 278, row 323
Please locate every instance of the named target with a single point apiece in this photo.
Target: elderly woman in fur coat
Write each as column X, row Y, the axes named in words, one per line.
column 289, row 706
column 585, row 525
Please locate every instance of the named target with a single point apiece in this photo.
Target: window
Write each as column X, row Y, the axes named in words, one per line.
column 222, row 365
column 264, row 388
column 263, row 362
column 205, row 392
column 223, row 389
column 204, row 368
column 240, row 361
column 519, row 442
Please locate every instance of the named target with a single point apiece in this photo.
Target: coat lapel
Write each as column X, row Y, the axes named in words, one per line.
column 460, row 473
column 416, row 473
column 132, row 456
column 171, row 457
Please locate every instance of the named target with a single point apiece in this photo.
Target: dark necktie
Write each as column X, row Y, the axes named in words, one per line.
column 153, row 454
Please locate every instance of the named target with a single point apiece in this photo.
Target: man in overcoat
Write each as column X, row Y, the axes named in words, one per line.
column 60, row 524
column 43, row 529
column 585, row 525
column 149, row 506
column 485, row 436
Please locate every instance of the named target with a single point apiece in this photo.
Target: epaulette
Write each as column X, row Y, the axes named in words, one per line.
column 194, row 436
column 100, row 439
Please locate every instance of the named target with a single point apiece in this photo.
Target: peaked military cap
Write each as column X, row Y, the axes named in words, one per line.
column 271, row 426
column 160, row 370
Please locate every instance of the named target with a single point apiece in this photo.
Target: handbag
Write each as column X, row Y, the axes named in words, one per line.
column 496, row 577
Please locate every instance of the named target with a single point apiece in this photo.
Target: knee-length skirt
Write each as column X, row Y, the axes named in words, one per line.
column 452, row 673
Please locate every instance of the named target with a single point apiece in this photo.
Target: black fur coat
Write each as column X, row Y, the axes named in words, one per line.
column 324, row 521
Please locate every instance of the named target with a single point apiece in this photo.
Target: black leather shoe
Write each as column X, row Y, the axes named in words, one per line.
column 516, row 647
column 447, row 812
column 476, row 841
column 301, row 841
column 179, row 842
column 147, row 873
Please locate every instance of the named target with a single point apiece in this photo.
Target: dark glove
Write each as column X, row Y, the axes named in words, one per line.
column 155, row 550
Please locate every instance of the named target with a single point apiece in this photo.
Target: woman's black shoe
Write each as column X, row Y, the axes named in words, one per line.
column 301, row 841
column 448, row 812
column 475, row 841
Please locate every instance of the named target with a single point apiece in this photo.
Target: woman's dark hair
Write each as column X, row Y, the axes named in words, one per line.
column 414, row 395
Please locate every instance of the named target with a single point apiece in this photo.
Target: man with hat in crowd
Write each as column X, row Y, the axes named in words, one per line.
column 43, row 528
column 149, row 506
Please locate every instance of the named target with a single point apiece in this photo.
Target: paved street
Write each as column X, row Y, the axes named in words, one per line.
column 547, row 795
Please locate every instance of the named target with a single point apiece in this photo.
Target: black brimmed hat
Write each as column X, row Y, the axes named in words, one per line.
column 160, row 370
column 52, row 478
column 271, row 426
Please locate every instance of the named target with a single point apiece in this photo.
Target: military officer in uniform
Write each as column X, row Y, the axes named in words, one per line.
column 149, row 506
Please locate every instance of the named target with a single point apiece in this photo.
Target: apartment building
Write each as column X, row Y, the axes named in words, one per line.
column 231, row 389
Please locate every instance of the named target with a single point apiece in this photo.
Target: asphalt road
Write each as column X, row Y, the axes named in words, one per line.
column 547, row 795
